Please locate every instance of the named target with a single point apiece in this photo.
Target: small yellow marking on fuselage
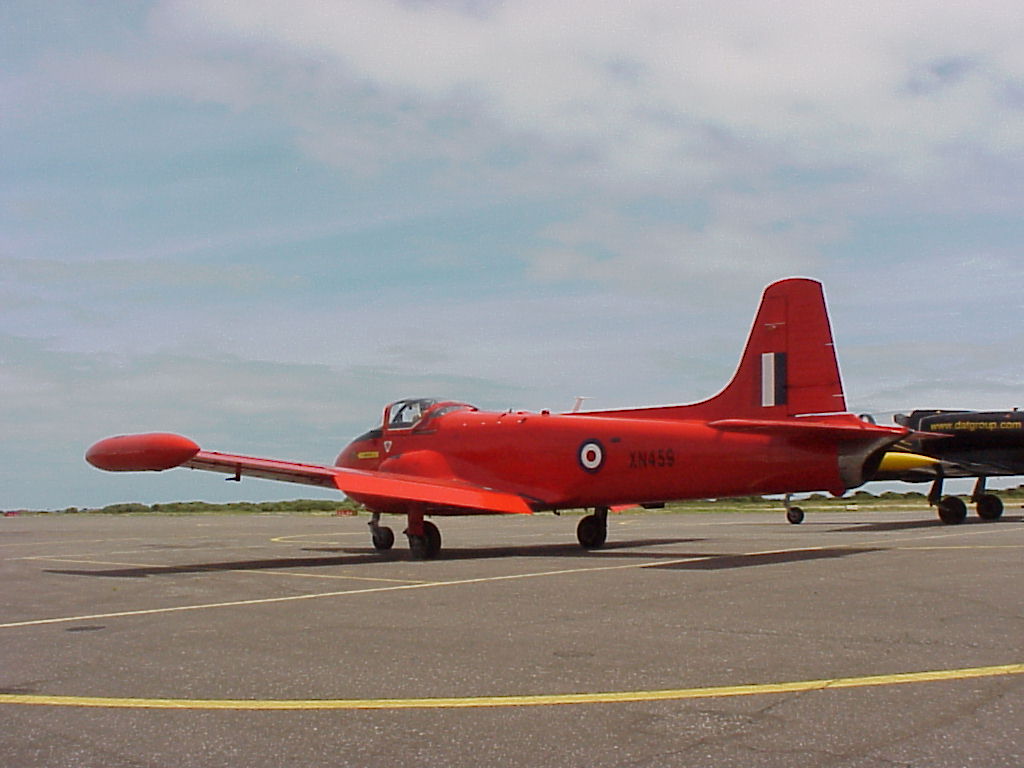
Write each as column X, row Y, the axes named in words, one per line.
column 368, row 455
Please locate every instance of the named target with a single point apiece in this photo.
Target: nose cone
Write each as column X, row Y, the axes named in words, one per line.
column 139, row 453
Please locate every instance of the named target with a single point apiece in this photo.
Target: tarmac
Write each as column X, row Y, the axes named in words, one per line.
column 856, row 639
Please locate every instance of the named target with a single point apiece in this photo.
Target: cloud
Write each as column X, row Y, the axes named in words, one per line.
column 826, row 78
column 249, row 219
column 58, row 402
column 789, row 122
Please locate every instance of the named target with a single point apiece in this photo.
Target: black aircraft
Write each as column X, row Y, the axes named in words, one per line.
column 979, row 444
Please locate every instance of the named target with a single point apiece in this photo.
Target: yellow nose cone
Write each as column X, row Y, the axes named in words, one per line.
column 897, row 461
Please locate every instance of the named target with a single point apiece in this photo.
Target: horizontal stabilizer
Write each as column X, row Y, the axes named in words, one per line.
column 839, row 428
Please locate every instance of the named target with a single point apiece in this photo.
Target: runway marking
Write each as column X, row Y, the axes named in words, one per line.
column 526, row 700
column 289, row 538
column 230, row 570
column 89, row 562
column 339, row 593
column 459, row 582
column 70, row 541
column 148, row 551
column 962, row 546
column 328, row 576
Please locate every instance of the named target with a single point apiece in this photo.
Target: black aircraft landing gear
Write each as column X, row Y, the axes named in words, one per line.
column 424, row 538
column 593, row 529
column 794, row 515
column 988, row 505
column 382, row 536
column 427, row 546
column 951, row 509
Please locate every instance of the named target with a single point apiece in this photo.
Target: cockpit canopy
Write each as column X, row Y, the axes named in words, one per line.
column 407, row 414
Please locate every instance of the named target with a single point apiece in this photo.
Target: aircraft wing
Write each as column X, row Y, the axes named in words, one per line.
column 159, row 451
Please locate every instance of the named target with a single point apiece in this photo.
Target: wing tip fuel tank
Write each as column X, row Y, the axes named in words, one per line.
column 153, row 451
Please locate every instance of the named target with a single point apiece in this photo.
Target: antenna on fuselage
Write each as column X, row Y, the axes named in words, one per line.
column 579, row 403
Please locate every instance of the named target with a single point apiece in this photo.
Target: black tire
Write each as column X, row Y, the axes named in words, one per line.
column 383, row 539
column 427, row 546
column 989, row 507
column 590, row 533
column 795, row 515
column 952, row 510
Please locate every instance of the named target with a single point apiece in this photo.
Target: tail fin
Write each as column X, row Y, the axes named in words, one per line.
column 788, row 367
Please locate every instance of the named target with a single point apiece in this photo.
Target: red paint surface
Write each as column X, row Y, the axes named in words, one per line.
column 136, row 453
column 455, row 459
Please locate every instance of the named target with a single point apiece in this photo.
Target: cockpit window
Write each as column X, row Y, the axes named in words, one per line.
column 444, row 408
column 407, row 413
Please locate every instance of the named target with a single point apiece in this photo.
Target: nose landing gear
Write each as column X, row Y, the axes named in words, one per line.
column 382, row 536
column 592, row 530
column 794, row 515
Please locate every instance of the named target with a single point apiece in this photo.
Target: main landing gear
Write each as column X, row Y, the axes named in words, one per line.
column 383, row 537
column 952, row 510
column 424, row 537
column 424, row 543
column 593, row 529
column 794, row 515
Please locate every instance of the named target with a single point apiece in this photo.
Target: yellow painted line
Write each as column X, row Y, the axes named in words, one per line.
column 338, row 593
column 887, row 542
column 397, row 587
column 68, row 541
column 341, row 576
column 962, row 546
column 304, row 538
column 148, row 551
column 79, row 561
column 234, row 570
column 527, row 700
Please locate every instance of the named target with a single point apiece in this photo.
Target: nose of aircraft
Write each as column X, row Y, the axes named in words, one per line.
column 137, row 453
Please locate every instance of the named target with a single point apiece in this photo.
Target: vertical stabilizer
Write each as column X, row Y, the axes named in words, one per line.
column 788, row 367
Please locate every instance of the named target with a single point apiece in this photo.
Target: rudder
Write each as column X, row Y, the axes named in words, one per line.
column 788, row 366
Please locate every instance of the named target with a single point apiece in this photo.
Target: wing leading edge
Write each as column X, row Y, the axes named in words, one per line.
column 160, row 451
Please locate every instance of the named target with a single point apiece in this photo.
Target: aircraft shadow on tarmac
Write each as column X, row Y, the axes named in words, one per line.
column 368, row 556
column 611, row 549
column 913, row 525
column 722, row 562
column 699, row 561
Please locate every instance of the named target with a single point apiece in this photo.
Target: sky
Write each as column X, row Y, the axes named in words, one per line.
column 255, row 223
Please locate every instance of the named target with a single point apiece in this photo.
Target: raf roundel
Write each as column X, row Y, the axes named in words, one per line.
column 591, row 455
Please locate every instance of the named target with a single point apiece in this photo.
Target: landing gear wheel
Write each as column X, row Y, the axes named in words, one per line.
column 383, row 538
column 591, row 533
column 427, row 546
column 989, row 506
column 795, row 515
column 952, row 510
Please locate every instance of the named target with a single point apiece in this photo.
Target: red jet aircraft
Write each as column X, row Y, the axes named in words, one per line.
column 778, row 427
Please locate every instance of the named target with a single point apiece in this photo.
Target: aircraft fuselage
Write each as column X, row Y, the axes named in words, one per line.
column 562, row 461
